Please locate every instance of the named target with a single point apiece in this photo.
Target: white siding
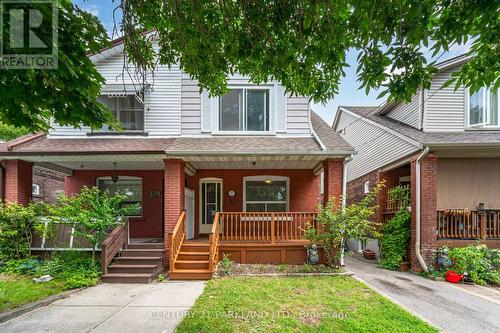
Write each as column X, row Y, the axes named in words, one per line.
column 408, row 113
column 445, row 108
column 58, row 130
column 375, row 146
column 191, row 106
column 297, row 121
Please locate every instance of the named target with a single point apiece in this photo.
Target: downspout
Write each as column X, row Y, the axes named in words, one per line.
column 417, row 207
column 344, row 197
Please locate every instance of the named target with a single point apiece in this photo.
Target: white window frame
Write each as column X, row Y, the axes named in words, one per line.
column 124, row 95
column 36, row 190
column 127, row 178
column 215, row 106
column 366, row 187
column 486, row 115
column 264, row 178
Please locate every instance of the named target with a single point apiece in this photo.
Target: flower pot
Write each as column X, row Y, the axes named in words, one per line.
column 369, row 254
column 453, row 277
column 404, row 266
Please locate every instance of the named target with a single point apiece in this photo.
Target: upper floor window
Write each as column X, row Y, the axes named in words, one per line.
column 127, row 109
column 244, row 110
column 484, row 108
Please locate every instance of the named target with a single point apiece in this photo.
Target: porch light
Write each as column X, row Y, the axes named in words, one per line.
column 114, row 175
column 269, row 181
column 481, row 206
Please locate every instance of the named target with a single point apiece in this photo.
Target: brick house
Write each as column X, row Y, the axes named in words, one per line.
column 444, row 146
column 239, row 174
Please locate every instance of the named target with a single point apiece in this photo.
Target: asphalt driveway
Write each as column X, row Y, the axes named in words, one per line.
column 446, row 306
column 156, row 307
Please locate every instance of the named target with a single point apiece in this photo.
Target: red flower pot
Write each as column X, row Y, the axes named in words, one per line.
column 368, row 254
column 453, row 277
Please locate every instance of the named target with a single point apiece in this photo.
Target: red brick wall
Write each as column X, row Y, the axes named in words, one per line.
column 174, row 198
column 333, row 171
column 428, row 205
column 304, row 188
column 18, row 180
column 51, row 184
column 151, row 223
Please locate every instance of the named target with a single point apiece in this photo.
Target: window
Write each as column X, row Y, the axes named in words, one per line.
column 36, row 190
column 244, row 110
column 322, row 182
column 127, row 109
column 129, row 186
column 484, row 108
column 266, row 194
column 366, row 187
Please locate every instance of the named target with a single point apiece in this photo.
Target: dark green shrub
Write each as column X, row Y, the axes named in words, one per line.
column 22, row 266
column 481, row 263
column 394, row 240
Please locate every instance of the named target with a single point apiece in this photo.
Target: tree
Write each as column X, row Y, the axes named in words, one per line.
column 336, row 224
column 91, row 212
column 30, row 97
column 303, row 43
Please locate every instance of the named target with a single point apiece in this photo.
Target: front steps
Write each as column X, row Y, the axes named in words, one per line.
column 192, row 262
column 139, row 263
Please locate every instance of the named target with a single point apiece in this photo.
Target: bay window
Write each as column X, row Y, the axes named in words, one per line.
column 484, row 108
column 266, row 194
column 244, row 110
column 127, row 109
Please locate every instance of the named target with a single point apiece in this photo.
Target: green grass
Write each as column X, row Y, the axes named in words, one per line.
column 17, row 290
column 296, row 304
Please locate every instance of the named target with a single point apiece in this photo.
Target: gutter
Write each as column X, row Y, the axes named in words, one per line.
column 417, row 213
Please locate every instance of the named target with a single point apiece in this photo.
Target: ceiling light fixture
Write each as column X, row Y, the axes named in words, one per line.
column 114, row 175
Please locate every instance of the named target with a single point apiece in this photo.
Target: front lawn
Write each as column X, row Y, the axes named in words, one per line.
column 17, row 290
column 296, row 304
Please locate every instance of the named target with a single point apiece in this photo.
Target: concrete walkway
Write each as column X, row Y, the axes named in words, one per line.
column 109, row 308
column 448, row 307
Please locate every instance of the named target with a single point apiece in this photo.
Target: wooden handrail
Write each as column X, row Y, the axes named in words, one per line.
column 468, row 224
column 267, row 227
column 213, row 240
column 116, row 240
column 175, row 239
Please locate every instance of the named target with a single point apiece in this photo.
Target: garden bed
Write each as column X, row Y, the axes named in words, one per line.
column 236, row 269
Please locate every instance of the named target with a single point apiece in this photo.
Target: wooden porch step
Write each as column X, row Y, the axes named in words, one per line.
column 146, row 246
column 127, row 278
column 191, row 264
column 190, row 274
column 195, row 247
column 139, row 260
column 142, row 252
column 193, row 255
column 143, row 269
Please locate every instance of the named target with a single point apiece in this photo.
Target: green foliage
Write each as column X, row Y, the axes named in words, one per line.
column 394, row 239
column 91, row 212
column 22, row 266
column 30, row 98
column 303, row 43
column 8, row 132
column 17, row 228
column 161, row 278
column 337, row 224
column 481, row 263
column 226, row 265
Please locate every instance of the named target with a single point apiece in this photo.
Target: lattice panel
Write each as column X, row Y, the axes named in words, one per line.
column 233, row 255
column 263, row 256
column 295, row 256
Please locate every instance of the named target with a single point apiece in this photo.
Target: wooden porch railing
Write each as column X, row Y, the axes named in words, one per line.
column 468, row 224
column 213, row 240
column 176, row 237
column 268, row 227
column 116, row 240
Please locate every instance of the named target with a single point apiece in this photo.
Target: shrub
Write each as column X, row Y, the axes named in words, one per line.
column 394, row 240
column 482, row 264
column 22, row 266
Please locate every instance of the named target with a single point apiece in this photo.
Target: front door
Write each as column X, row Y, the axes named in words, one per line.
column 189, row 207
column 210, row 203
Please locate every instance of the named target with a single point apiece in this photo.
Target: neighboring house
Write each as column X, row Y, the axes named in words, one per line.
column 452, row 139
column 254, row 155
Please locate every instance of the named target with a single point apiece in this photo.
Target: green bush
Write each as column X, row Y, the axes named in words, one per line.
column 22, row 266
column 482, row 264
column 394, row 240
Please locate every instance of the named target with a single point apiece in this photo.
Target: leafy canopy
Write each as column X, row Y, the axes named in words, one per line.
column 303, row 44
column 30, row 97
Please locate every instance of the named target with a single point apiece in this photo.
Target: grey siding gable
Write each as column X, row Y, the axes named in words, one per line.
column 408, row 113
column 297, row 119
column 375, row 146
column 444, row 110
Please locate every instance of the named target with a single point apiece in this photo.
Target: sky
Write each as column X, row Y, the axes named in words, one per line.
column 349, row 94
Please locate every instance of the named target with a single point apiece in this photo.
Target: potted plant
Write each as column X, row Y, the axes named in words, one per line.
column 404, row 266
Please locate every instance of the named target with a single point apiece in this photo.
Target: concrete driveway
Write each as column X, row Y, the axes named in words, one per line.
column 109, row 308
column 448, row 307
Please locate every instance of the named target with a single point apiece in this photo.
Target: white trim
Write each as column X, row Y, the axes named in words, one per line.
column 486, row 113
column 264, row 178
column 208, row 180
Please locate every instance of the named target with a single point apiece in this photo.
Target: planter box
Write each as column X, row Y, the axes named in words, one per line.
column 369, row 254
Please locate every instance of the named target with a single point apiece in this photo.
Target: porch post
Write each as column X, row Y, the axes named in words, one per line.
column 174, row 198
column 428, row 210
column 18, row 180
column 333, row 172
